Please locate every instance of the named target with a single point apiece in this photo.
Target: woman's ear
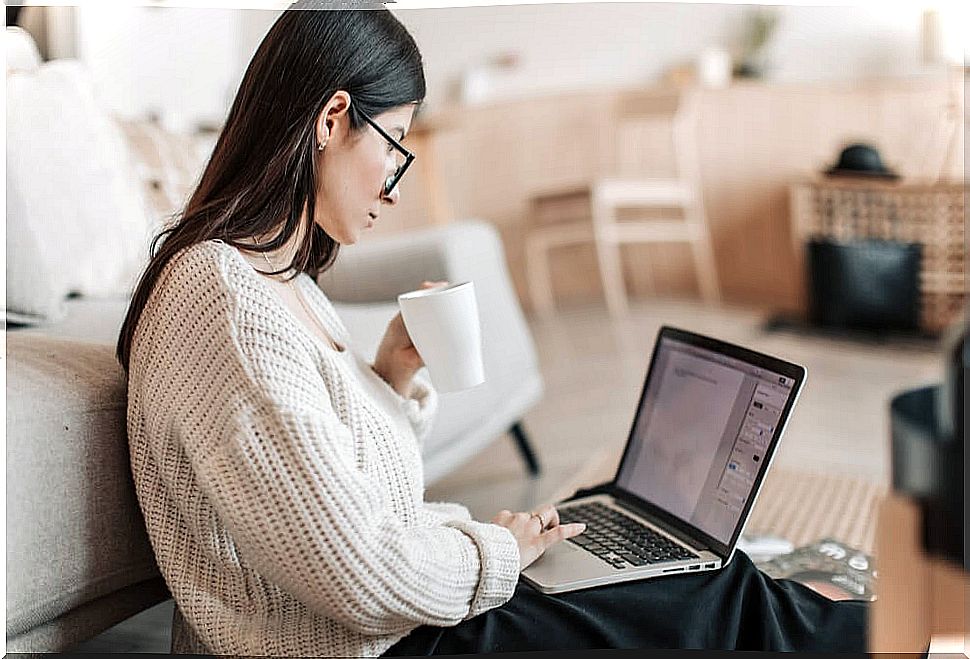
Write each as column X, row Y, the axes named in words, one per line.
column 333, row 120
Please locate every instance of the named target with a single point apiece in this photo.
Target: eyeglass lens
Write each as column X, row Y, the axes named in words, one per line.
column 391, row 181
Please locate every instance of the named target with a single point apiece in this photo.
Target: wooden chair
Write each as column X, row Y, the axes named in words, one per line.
column 591, row 212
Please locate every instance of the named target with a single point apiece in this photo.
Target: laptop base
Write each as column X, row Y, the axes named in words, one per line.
column 566, row 567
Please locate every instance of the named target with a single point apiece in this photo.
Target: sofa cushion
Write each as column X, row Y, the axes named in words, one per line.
column 76, row 218
column 92, row 320
column 90, row 619
column 22, row 53
column 74, row 529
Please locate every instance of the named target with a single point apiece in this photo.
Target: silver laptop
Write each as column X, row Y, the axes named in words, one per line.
column 708, row 423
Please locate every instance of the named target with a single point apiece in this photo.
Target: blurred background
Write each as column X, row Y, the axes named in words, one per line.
column 702, row 131
column 790, row 178
column 526, row 100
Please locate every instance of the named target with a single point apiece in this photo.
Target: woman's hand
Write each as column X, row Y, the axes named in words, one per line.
column 536, row 532
column 397, row 359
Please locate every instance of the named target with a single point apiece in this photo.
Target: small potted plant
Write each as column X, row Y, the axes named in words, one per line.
column 759, row 28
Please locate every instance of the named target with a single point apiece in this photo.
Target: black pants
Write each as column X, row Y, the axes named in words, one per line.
column 736, row 608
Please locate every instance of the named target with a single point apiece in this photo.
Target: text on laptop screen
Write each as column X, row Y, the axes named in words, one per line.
column 701, row 435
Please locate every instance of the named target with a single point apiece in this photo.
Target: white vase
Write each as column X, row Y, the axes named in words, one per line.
column 476, row 85
column 714, row 68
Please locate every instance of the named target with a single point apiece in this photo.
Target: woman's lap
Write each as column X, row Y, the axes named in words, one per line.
column 737, row 608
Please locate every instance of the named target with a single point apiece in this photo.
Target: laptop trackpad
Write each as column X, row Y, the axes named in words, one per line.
column 564, row 561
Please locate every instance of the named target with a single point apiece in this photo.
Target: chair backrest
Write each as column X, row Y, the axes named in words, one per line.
column 654, row 134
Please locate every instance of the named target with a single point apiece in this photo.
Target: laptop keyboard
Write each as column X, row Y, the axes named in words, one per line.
column 620, row 540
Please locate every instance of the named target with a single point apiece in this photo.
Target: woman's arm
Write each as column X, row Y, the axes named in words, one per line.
column 278, row 466
column 397, row 363
column 420, row 407
column 434, row 513
column 310, row 522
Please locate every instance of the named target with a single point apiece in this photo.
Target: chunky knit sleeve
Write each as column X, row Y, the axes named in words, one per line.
column 441, row 512
column 420, row 407
column 278, row 467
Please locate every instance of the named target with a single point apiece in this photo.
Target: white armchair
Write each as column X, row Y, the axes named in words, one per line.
column 364, row 285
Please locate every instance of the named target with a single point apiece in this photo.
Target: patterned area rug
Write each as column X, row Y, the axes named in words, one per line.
column 800, row 506
column 803, row 507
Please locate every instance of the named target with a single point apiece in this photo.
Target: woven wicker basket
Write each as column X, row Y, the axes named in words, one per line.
column 932, row 215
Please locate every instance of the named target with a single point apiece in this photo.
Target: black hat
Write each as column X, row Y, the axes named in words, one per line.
column 861, row 160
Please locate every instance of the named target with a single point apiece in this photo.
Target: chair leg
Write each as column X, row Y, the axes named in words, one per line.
column 525, row 448
column 608, row 256
column 706, row 268
column 611, row 272
column 538, row 277
column 703, row 250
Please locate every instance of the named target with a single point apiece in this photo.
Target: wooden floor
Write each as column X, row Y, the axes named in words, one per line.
column 594, row 369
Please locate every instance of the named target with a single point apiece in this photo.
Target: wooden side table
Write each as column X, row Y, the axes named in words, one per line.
column 921, row 600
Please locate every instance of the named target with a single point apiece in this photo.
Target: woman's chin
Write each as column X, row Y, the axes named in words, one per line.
column 351, row 234
column 347, row 238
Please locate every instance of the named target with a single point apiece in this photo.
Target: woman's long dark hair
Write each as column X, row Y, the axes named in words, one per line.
column 262, row 170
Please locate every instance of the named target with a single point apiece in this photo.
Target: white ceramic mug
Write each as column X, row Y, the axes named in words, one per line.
column 443, row 325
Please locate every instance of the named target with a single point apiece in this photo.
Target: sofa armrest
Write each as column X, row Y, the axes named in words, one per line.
column 78, row 555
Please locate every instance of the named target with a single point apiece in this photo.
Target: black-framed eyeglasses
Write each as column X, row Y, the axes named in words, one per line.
column 391, row 181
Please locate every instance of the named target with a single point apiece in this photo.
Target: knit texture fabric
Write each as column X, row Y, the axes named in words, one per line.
column 281, row 481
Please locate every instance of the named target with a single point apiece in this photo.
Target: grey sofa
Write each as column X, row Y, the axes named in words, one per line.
column 78, row 557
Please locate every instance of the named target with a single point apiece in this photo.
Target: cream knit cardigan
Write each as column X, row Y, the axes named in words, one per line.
column 281, row 481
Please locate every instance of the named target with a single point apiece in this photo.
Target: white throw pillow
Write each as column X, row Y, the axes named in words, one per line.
column 76, row 218
column 22, row 53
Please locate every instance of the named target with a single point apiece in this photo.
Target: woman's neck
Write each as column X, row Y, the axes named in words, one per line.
column 279, row 258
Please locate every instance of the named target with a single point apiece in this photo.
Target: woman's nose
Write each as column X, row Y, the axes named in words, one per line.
column 392, row 198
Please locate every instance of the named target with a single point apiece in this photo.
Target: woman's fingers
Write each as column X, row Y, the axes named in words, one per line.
column 522, row 520
column 560, row 533
column 543, row 518
column 533, row 533
column 549, row 515
column 432, row 284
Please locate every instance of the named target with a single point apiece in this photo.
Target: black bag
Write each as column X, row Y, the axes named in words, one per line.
column 866, row 284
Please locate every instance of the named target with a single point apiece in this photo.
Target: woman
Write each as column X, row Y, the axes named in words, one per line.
column 280, row 474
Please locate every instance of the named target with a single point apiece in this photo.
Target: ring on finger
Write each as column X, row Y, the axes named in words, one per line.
column 542, row 522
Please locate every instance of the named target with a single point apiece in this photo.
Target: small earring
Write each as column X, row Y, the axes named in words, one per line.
column 321, row 145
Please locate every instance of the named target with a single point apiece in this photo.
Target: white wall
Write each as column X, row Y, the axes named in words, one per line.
column 189, row 61
column 564, row 46
column 179, row 63
column 575, row 45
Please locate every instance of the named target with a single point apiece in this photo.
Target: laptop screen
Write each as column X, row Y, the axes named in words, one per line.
column 702, row 433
